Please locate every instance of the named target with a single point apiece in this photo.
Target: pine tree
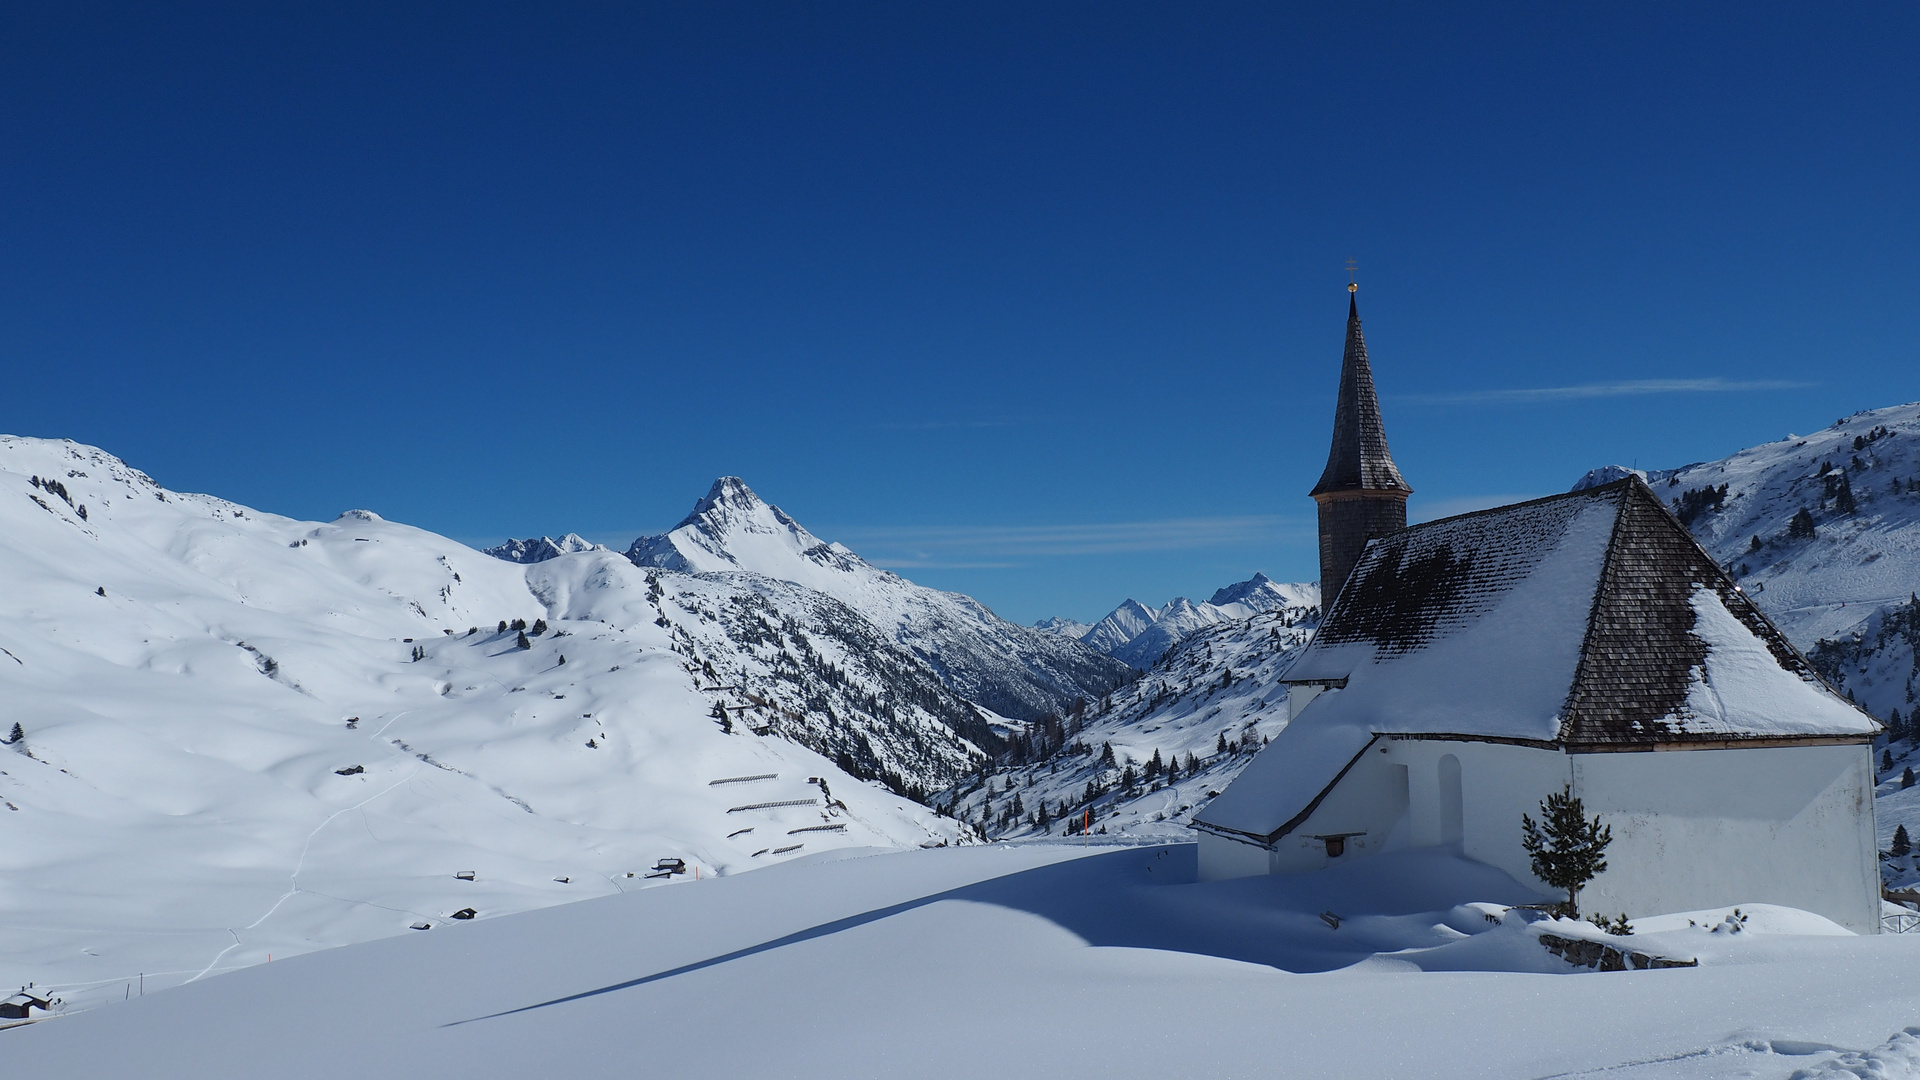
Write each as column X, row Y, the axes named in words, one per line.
column 522, row 641
column 1902, row 846
column 1154, row 765
column 1220, row 743
column 1755, row 546
column 19, row 736
column 1173, row 770
column 1106, row 755
column 1843, row 498
column 1567, row 852
column 1906, row 778
column 1886, row 761
column 539, row 627
column 503, row 626
column 1801, row 527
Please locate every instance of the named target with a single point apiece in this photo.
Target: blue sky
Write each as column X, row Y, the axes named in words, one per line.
column 1039, row 302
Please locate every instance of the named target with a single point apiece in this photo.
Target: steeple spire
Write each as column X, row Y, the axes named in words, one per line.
column 1361, row 494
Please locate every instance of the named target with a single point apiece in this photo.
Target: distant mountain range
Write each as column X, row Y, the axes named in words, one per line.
column 1139, row 635
column 541, row 548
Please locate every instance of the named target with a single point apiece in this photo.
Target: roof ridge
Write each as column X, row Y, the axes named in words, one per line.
column 1603, row 489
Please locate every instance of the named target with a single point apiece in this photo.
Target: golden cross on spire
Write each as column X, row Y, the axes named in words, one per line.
column 1353, row 268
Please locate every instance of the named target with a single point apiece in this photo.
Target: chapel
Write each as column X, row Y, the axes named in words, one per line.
column 1467, row 668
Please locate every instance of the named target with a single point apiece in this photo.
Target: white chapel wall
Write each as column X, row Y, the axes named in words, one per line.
column 1697, row 829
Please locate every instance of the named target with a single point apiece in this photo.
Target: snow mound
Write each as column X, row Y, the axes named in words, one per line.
column 1896, row 1059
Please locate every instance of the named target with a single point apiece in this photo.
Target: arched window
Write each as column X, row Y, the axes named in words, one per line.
column 1452, row 803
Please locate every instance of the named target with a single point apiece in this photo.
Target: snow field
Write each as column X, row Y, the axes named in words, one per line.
column 1034, row 959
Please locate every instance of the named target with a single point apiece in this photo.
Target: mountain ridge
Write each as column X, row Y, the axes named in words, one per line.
column 1015, row 671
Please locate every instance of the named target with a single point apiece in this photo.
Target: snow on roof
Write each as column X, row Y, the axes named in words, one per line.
column 1470, row 625
column 1589, row 619
column 1739, row 690
column 1278, row 786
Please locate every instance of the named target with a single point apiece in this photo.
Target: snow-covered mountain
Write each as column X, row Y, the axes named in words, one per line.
column 1065, row 627
column 1015, row 671
column 1201, row 713
column 1823, row 531
column 540, row 549
column 244, row 735
column 1139, row 635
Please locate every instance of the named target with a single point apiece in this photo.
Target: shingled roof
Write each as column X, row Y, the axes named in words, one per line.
column 1586, row 618
column 1587, row 622
column 1359, row 459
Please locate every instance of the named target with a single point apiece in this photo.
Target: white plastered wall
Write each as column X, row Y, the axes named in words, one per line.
column 1692, row 829
column 1707, row 828
column 1222, row 858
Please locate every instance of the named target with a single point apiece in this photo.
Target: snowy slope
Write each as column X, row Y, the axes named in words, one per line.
column 1032, row 960
column 777, row 658
column 1140, row 635
column 1208, row 705
column 1859, row 483
column 247, row 735
column 1857, row 562
column 1013, row 670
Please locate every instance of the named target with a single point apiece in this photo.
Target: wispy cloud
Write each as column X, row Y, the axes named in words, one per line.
column 1581, row 391
column 990, row 545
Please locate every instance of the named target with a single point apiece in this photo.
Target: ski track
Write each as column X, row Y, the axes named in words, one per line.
column 300, row 864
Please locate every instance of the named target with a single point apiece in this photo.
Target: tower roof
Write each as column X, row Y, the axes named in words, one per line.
column 1359, row 459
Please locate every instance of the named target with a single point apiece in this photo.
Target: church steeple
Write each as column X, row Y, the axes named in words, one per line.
column 1361, row 494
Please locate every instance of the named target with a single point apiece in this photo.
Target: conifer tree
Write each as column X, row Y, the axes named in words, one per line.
column 1886, row 761
column 1154, row 765
column 522, row 641
column 1801, row 527
column 539, row 627
column 17, row 737
column 1902, row 845
column 1567, row 850
column 1906, row 778
column 1106, row 755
